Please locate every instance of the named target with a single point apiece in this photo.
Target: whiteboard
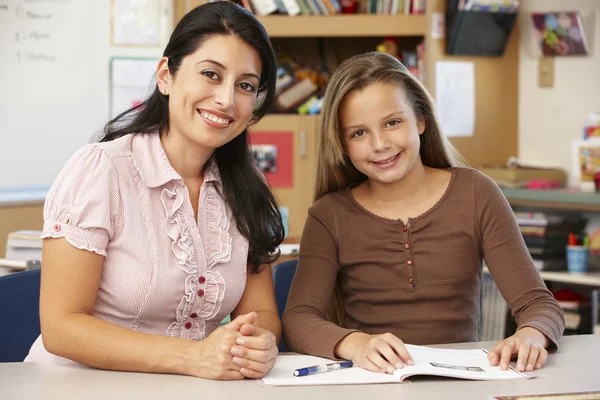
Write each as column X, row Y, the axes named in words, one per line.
column 54, row 82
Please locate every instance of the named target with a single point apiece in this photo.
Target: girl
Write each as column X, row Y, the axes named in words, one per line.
column 149, row 235
column 404, row 230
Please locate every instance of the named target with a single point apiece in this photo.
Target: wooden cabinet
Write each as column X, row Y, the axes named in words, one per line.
column 299, row 197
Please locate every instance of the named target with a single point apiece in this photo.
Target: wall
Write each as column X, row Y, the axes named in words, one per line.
column 550, row 118
column 54, row 81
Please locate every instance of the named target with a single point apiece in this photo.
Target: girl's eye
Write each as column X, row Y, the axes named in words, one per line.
column 248, row 87
column 357, row 134
column 210, row 74
column 393, row 122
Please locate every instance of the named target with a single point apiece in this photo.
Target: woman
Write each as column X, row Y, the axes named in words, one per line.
column 405, row 231
column 149, row 234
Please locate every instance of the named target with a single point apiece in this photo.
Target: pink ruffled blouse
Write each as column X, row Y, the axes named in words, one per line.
column 164, row 273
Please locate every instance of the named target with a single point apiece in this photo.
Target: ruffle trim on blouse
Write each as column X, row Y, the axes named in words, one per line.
column 218, row 250
column 218, row 241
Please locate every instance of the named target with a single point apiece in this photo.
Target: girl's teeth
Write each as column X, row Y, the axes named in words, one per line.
column 388, row 161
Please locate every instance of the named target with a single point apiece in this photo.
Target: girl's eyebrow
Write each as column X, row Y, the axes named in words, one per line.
column 390, row 115
column 395, row 113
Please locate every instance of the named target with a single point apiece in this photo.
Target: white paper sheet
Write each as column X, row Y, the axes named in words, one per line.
column 132, row 80
column 135, row 22
column 455, row 97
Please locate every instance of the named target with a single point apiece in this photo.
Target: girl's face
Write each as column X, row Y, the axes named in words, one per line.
column 380, row 132
column 213, row 94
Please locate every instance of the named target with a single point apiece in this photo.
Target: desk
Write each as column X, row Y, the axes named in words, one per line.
column 574, row 368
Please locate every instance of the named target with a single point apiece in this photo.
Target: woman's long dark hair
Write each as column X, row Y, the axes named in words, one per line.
column 253, row 205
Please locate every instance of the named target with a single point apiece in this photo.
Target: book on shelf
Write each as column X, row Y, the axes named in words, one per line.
column 263, row 7
column 461, row 364
column 295, row 94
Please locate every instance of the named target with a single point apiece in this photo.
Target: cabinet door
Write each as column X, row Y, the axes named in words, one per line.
column 298, row 197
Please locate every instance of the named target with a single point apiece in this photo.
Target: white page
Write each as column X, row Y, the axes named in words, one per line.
column 282, row 373
column 455, row 97
column 454, row 363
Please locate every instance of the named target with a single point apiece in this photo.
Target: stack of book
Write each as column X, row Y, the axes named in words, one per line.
column 24, row 246
column 547, row 236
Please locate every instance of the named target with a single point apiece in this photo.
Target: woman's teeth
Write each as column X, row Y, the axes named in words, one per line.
column 214, row 118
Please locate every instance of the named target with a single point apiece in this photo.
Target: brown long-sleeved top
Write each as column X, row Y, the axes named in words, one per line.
column 421, row 280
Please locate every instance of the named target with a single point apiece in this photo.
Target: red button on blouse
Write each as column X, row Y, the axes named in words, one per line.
column 200, row 292
column 410, row 281
column 403, row 229
column 188, row 325
column 193, row 315
column 201, row 279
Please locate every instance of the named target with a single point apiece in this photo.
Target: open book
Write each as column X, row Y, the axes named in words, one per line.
column 462, row 364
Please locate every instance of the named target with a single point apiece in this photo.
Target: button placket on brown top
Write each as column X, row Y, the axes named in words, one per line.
column 409, row 255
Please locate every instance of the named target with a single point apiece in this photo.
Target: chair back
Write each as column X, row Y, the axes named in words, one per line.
column 283, row 274
column 19, row 314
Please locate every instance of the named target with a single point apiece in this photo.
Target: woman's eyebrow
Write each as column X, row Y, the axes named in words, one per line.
column 218, row 64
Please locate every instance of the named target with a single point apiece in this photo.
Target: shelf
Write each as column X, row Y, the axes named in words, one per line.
column 348, row 25
column 582, row 279
column 557, row 199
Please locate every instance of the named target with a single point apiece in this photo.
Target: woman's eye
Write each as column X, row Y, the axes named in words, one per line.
column 210, row 74
column 358, row 134
column 393, row 122
column 248, row 87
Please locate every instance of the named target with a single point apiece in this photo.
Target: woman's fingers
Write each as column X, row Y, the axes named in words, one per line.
column 254, row 355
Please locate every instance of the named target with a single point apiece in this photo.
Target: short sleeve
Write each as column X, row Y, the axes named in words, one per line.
column 83, row 202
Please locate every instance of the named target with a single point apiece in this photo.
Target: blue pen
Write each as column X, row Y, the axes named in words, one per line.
column 317, row 369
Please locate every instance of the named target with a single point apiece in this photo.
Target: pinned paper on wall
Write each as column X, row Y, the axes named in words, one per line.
column 438, row 21
column 135, row 22
column 273, row 154
column 455, row 97
column 131, row 81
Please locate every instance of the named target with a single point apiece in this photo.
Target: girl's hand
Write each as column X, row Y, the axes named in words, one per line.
column 380, row 353
column 255, row 353
column 528, row 344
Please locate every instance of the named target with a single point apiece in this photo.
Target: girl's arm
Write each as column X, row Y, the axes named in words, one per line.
column 540, row 319
column 69, row 287
column 306, row 323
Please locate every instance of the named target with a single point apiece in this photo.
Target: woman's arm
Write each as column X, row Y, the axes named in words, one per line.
column 259, row 296
column 256, row 351
column 69, row 287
